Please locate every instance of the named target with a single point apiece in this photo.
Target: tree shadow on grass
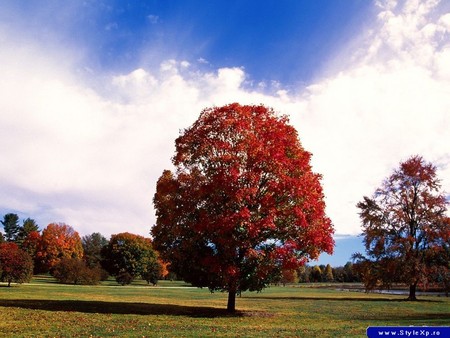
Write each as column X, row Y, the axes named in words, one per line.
column 118, row 308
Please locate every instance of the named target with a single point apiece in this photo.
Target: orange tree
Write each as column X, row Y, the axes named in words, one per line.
column 58, row 240
column 243, row 203
column 405, row 227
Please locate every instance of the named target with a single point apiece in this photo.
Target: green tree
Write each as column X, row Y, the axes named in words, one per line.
column 316, row 274
column 128, row 256
column 10, row 226
column 339, row 274
column 404, row 223
column 92, row 247
column 151, row 269
column 29, row 225
column 349, row 271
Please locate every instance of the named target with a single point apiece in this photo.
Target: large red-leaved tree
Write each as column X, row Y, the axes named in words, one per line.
column 243, row 203
column 406, row 229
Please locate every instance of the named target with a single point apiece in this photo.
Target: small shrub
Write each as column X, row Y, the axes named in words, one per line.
column 104, row 275
column 75, row 271
column 124, row 278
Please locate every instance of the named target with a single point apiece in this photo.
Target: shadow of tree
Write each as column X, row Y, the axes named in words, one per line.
column 118, row 308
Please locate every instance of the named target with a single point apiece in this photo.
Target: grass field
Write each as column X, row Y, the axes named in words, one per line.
column 44, row 308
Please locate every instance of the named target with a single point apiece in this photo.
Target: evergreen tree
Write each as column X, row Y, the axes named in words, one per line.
column 92, row 247
column 11, row 226
column 29, row 225
column 316, row 274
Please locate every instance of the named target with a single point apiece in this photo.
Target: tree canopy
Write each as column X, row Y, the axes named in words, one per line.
column 92, row 248
column 58, row 240
column 15, row 265
column 11, row 226
column 405, row 227
column 29, row 226
column 243, row 203
column 127, row 256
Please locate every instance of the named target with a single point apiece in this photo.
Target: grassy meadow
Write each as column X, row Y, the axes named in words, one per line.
column 44, row 308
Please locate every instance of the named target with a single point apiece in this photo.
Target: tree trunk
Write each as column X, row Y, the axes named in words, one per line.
column 231, row 306
column 412, row 292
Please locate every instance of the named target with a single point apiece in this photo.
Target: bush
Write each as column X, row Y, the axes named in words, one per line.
column 75, row 271
column 104, row 275
column 124, row 278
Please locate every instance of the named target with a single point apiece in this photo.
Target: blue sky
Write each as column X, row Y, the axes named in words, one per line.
column 287, row 42
column 94, row 94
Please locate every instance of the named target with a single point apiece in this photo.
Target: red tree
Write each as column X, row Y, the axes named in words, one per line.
column 58, row 240
column 31, row 242
column 406, row 228
column 243, row 204
column 15, row 265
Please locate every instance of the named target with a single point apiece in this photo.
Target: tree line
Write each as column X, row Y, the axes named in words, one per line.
column 59, row 250
column 320, row 274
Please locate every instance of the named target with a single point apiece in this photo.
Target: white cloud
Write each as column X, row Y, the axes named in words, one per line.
column 92, row 160
column 154, row 19
column 393, row 102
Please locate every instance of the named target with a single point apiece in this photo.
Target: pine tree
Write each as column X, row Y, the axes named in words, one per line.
column 10, row 226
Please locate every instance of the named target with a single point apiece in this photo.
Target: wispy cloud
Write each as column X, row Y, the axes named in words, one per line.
column 153, row 19
column 91, row 157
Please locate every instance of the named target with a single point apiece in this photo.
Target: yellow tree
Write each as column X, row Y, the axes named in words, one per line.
column 328, row 274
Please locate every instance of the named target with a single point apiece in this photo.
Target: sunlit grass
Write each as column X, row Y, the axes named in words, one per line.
column 44, row 308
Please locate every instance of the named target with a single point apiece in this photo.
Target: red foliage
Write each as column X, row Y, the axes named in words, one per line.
column 405, row 226
column 243, row 203
column 31, row 243
column 15, row 265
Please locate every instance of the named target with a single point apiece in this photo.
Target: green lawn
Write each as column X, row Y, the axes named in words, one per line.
column 44, row 308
